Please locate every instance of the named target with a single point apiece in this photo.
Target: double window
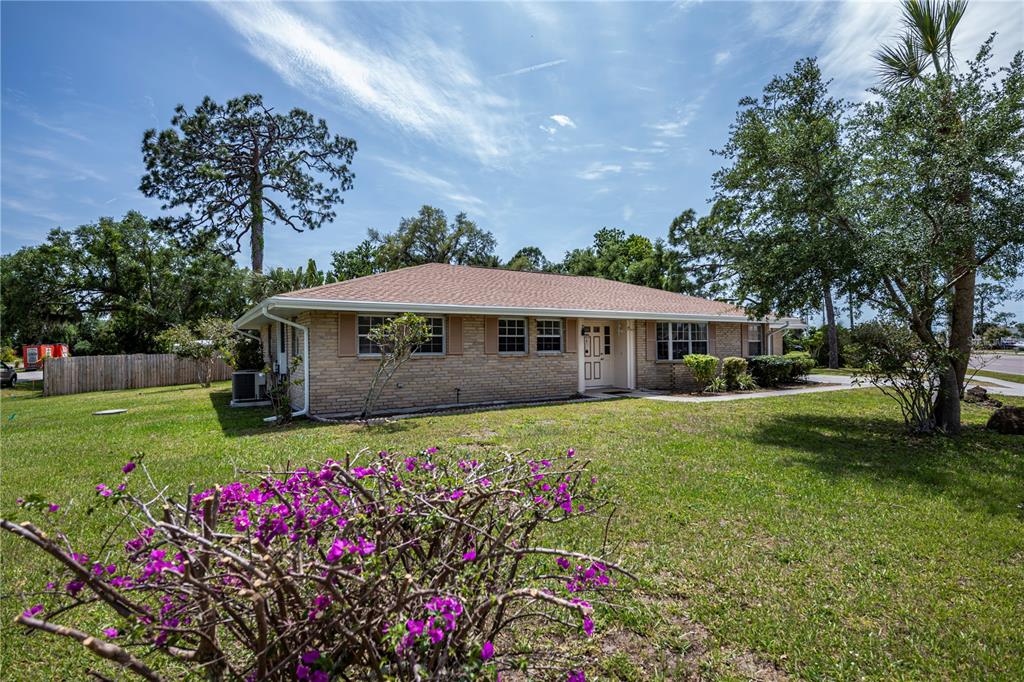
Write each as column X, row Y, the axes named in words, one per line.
column 676, row 340
column 549, row 336
column 511, row 335
column 432, row 346
column 755, row 339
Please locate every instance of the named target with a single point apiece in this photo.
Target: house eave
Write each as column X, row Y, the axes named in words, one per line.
column 253, row 315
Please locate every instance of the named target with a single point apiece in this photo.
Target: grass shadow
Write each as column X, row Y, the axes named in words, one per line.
column 241, row 421
column 979, row 469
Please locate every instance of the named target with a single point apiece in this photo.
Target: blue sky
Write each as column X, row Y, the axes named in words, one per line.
column 543, row 121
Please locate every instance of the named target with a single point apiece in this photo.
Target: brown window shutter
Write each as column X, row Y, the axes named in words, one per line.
column 571, row 333
column 346, row 334
column 652, row 340
column 490, row 335
column 454, row 340
column 744, row 348
column 712, row 342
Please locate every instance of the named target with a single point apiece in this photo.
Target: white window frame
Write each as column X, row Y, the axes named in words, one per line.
column 757, row 329
column 418, row 354
column 686, row 340
column 525, row 336
column 560, row 335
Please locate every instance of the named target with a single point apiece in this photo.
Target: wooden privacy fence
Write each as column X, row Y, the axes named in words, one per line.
column 63, row 376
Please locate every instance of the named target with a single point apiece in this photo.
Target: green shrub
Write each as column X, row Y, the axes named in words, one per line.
column 803, row 363
column 771, row 370
column 745, row 382
column 8, row 355
column 717, row 385
column 702, row 367
column 732, row 369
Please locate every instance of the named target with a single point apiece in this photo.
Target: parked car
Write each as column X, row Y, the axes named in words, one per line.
column 8, row 377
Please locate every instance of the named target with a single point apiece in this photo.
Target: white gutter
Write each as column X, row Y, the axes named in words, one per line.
column 460, row 309
column 305, row 357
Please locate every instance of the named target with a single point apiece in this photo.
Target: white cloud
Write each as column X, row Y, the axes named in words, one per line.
column 722, row 57
column 444, row 188
column 44, row 123
column 550, row 130
column 627, row 213
column 535, row 67
column 655, row 149
column 405, row 78
column 676, row 127
column 597, row 171
column 563, row 120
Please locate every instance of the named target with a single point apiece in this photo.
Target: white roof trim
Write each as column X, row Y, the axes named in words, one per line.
column 300, row 303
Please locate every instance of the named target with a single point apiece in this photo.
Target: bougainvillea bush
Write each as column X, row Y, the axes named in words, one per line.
column 384, row 566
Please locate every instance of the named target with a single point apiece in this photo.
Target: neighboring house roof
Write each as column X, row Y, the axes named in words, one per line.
column 455, row 289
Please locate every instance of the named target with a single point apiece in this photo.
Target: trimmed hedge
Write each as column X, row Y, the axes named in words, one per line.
column 732, row 369
column 702, row 367
column 803, row 363
column 772, row 370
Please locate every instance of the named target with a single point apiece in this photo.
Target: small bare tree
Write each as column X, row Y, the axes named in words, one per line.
column 907, row 371
column 205, row 341
column 396, row 339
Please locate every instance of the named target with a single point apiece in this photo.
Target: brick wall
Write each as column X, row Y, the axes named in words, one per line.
column 339, row 384
column 724, row 340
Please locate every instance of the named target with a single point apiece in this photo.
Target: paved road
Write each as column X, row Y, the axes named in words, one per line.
column 999, row 362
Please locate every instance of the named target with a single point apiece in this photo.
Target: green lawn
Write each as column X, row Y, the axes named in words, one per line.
column 803, row 535
column 1005, row 376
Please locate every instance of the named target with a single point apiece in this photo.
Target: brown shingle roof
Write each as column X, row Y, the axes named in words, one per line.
column 461, row 285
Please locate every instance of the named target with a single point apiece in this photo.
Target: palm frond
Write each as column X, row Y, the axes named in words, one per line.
column 923, row 19
column 953, row 12
column 901, row 64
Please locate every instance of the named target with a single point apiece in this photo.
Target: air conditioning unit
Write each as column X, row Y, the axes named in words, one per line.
column 248, row 386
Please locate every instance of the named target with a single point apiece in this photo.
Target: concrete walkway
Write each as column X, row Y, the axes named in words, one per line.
column 825, row 384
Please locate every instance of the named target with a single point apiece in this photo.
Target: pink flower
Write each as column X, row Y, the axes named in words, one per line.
column 30, row 612
column 128, row 468
column 487, row 651
column 571, row 452
column 54, row 507
column 469, row 556
column 311, row 657
column 457, row 494
column 110, row 633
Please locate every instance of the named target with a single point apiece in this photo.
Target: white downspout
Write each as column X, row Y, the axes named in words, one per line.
column 305, row 358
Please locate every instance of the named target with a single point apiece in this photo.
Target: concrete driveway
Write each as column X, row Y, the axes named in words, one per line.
column 999, row 362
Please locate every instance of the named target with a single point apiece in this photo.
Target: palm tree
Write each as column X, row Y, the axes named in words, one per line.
column 927, row 41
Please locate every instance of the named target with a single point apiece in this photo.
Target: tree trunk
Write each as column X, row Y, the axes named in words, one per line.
column 961, row 322
column 947, row 402
column 256, row 222
column 833, row 335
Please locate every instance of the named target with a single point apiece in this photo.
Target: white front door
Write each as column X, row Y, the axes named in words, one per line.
column 596, row 351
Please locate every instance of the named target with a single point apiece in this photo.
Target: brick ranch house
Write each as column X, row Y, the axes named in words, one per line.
column 498, row 335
